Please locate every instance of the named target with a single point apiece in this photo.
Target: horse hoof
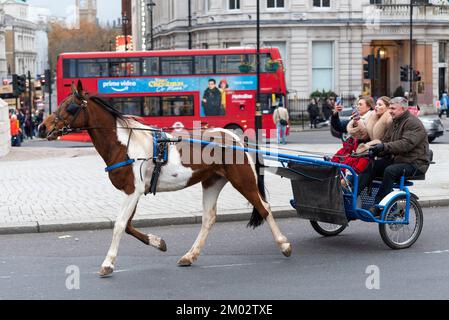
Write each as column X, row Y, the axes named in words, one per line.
column 106, row 271
column 163, row 246
column 286, row 249
column 184, row 262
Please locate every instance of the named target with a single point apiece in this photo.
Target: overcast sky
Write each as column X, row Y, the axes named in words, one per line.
column 107, row 9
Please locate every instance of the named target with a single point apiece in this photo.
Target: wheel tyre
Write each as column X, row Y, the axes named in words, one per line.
column 235, row 129
column 383, row 228
column 327, row 232
column 431, row 139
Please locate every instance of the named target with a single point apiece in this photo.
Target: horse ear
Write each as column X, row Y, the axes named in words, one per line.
column 80, row 87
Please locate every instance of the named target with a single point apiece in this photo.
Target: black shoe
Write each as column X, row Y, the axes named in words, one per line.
column 375, row 211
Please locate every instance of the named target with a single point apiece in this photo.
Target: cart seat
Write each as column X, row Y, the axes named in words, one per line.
column 412, row 178
column 408, row 180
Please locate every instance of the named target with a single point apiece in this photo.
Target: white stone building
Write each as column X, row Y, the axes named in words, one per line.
column 322, row 42
column 41, row 17
column 21, row 53
column 3, row 64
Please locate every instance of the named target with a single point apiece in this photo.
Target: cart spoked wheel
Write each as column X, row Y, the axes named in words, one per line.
column 401, row 236
column 327, row 229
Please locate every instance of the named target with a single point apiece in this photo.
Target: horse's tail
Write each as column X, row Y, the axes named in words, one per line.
column 256, row 218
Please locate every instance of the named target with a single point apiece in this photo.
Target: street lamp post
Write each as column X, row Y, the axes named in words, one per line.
column 258, row 116
column 125, row 22
column 150, row 6
column 410, row 92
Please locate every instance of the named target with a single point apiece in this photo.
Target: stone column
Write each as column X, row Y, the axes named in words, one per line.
column 5, row 133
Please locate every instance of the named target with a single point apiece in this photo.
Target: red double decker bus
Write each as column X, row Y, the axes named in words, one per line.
column 174, row 89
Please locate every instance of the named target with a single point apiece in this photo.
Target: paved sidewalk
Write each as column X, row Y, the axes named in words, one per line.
column 48, row 190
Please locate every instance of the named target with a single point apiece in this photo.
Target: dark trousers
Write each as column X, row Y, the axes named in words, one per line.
column 313, row 121
column 391, row 173
column 443, row 112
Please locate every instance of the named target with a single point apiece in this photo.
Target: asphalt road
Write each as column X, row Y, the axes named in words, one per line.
column 237, row 263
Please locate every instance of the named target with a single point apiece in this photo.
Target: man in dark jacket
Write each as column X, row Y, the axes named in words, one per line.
column 407, row 144
column 212, row 100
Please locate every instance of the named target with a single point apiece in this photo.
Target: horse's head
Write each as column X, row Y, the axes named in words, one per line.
column 71, row 115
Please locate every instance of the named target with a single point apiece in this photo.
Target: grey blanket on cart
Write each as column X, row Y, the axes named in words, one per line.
column 317, row 192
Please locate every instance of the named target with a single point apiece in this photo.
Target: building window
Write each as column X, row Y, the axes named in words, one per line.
column 321, row 3
column 443, row 52
column 272, row 4
column 234, row 4
column 207, row 5
column 228, row 45
column 322, row 65
column 375, row 1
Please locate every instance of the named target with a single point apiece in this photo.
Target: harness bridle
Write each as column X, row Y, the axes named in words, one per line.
column 74, row 109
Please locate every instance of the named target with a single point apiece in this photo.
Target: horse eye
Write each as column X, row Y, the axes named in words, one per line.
column 72, row 109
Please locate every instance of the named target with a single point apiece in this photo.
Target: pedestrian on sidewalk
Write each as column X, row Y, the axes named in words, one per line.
column 444, row 105
column 327, row 109
column 281, row 118
column 314, row 111
column 28, row 124
column 14, row 126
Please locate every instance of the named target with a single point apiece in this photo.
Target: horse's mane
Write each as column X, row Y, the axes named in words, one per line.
column 108, row 107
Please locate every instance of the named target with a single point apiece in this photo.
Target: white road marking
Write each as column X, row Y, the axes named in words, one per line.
column 234, row 265
column 438, row 252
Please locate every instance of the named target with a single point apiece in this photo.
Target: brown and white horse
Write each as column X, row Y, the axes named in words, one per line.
column 115, row 141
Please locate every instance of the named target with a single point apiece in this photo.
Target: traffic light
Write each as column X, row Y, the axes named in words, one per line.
column 405, row 72
column 416, row 76
column 368, row 68
column 18, row 84
column 41, row 78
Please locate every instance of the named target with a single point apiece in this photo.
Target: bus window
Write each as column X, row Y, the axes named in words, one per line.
column 129, row 106
column 271, row 101
column 264, row 58
column 152, row 107
column 150, row 66
column 204, row 64
column 231, row 63
column 177, row 106
column 124, row 67
column 88, row 68
column 176, row 65
column 69, row 68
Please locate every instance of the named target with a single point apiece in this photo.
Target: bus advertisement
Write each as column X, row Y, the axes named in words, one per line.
column 175, row 89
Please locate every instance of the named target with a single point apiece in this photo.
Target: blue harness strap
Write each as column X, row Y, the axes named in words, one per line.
column 120, row 165
column 157, row 159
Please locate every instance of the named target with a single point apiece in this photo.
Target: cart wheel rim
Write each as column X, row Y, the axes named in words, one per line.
column 402, row 234
column 329, row 227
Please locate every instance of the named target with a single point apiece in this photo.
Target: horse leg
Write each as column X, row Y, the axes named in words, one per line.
column 244, row 180
column 211, row 190
column 148, row 239
column 128, row 208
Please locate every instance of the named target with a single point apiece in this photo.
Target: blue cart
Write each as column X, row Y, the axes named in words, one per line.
column 401, row 218
column 320, row 198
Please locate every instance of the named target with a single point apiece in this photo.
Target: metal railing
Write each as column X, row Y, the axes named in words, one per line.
column 402, row 7
column 298, row 108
